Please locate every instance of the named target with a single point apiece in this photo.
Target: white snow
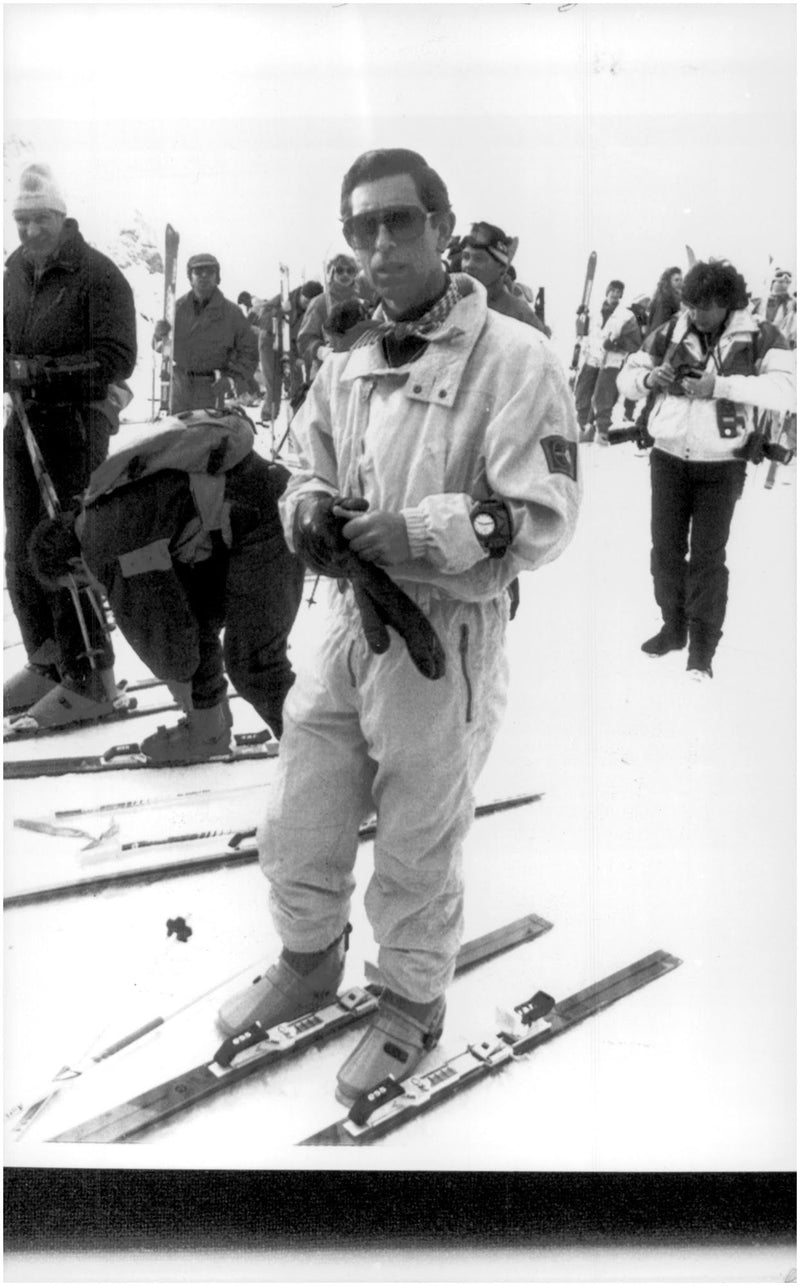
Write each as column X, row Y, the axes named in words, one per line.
column 667, row 822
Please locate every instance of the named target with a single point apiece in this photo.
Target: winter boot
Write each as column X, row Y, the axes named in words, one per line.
column 28, row 686
column 202, row 735
column 298, row 983
column 398, row 1038
column 702, row 646
column 72, row 701
column 670, row 638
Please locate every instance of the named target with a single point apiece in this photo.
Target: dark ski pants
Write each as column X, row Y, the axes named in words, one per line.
column 73, row 443
column 692, row 504
column 253, row 592
column 596, row 397
column 263, row 592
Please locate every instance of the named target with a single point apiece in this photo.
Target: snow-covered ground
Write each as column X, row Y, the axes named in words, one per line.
column 667, row 821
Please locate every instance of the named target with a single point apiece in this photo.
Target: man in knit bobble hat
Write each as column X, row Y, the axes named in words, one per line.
column 215, row 352
column 69, row 345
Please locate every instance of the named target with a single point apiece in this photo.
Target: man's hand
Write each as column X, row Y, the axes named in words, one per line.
column 702, row 387
column 661, row 376
column 162, row 329
column 376, row 536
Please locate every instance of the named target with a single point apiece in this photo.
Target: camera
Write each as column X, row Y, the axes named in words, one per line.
column 758, row 447
column 636, row 433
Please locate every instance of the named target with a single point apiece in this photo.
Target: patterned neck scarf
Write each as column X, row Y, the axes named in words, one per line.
column 430, row 326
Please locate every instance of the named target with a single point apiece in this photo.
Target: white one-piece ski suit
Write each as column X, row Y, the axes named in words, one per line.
column 485, row 411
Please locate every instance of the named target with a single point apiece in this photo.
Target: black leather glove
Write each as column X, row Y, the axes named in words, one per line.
column 393, row 607
column 317, row 535
column 26, row 372
column 319, row 541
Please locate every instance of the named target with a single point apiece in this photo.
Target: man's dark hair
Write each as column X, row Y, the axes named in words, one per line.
column 715, row 282
column 615, row 285
column 311, row 289
column 384, row 163
column 52, row 544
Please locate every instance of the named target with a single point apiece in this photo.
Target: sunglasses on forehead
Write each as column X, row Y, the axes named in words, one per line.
column 402, row 223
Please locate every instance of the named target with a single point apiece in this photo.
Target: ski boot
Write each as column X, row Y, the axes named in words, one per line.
column 298, row 983
column 28, row 686
column 398, row 1038
column 201, row 735
column 670, row 638
column 72, row 701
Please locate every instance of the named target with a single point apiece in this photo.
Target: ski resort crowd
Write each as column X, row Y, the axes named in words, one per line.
column 435, row 437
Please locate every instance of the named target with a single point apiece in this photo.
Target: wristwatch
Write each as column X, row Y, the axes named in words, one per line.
column 491, row 523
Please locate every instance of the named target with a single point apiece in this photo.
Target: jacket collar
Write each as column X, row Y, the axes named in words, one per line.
column 443, row 361
column 67, row 255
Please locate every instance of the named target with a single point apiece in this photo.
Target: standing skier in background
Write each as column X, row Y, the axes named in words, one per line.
column 780, row 307
column 69, row 345
column 341, row 285
column 438, row 459
column 666, row 299
column 486, row 253
column 708, row 368
column 270, row 345
column 612, row 336
column 215, row 352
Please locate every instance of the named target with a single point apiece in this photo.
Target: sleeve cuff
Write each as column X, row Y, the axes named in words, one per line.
column 416, row 528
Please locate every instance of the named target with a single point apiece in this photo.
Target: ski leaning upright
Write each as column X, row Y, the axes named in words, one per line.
column 171, row 242
column 582, row 323
column 532, row 1023
column 255, row 1048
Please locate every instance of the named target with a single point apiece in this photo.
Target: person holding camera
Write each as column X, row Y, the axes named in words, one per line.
column 69, row 344
column 706, row 370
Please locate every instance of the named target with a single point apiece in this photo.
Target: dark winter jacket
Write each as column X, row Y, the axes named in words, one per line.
column 78, row 319
column 215, row 337
column 665, row 305
column 134, row 540
column 502, row 301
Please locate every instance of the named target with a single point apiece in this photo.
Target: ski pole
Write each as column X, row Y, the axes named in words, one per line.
column 52, row 504
column 71, row 1072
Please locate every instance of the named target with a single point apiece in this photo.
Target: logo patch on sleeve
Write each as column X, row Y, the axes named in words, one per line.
column 561, row 455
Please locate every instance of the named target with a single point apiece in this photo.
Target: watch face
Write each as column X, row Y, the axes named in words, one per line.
column 483, row 524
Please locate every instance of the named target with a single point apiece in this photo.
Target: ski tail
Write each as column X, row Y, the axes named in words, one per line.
column 171, row 243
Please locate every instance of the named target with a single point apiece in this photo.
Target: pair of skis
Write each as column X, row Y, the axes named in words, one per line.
column 582, row 321
column 160, row 858
column 532, row 1023
column 171, row 243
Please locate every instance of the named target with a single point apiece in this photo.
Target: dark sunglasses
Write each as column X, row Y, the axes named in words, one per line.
column 402, row 222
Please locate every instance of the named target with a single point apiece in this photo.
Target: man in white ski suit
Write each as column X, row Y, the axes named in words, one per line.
column 484, row 411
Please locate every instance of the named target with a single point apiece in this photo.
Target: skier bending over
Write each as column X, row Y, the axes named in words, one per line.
column 705, row 370
column 438, row 459
column 182, row 532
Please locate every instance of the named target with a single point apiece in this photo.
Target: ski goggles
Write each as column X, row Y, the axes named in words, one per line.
column 402, row 223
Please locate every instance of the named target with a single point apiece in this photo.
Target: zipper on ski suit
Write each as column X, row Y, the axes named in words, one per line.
column 463, row 651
